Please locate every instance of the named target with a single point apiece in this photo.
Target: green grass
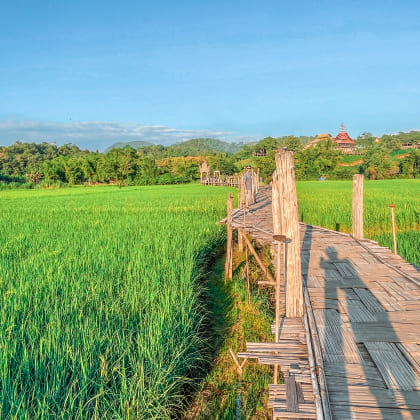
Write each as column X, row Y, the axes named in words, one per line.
column 329, row 204
column 350, row 158
column 100, row 299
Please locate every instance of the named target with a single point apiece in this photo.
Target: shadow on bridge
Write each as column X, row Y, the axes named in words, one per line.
column 366, row 378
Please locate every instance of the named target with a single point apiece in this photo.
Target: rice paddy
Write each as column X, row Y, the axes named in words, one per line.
column 329, row 204
column 99, row 299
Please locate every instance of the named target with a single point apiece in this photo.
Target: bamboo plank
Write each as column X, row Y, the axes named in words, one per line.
column 369, row 300
column 365, row 396
column 304, row 414
column 393, row 366
column 373, row 413
column 291, row 395
column 411, row 352
column 363, row 374
column 356, row 311
column 376, row 332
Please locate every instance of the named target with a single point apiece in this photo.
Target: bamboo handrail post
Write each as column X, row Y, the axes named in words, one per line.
column 394, row 235
column 228, row 261
column 357, row 206
column 287, row 223
column 240, row 240
column 247, row 275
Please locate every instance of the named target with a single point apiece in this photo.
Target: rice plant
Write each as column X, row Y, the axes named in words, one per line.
column 99, row 292
column 329, row 204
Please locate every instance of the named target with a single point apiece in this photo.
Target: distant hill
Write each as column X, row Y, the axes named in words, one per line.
column 193, row 147
column 202, row 147
column 133, row 144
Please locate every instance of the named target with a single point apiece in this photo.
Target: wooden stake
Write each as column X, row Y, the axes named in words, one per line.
column 278, row 285
column 258, row 259
column 240, row 240
column 242, row 193
column 287, row 224
column 247, row 276
column 394, row 235
column 358, row 206
column 228, row 261
column 280, row 239
column 240, row 366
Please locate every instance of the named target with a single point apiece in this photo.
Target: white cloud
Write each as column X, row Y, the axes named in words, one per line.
column 102, row 134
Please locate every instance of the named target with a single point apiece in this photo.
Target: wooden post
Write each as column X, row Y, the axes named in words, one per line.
column 247, row 275
column 394, row 235
column 275, row 203
column 242, row 194
column 358, row 206
column 228, row 261
column 287, row 224
column 240, row 240
column 258, row 259
column 279, row 239
column 258, row 179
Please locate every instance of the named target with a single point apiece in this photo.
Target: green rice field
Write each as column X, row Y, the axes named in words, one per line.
column 329, row 204
column 99, row 299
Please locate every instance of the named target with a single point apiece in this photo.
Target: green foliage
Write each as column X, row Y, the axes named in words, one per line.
column 133, row 144
column 376, row 163
column 100, row 299
column 317, row 161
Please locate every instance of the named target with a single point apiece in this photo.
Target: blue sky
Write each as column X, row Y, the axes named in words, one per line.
column 96, row 72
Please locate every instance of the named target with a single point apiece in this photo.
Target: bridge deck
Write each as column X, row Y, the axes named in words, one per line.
column 366, row 306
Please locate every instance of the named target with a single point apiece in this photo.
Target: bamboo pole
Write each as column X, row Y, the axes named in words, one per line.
column 247, row 275
column 240, row 240
column 258, row 179
column 357, row 206
column 242, row 193
column 394, row 235
column 258, row 259
column 228, row 261
column 288, row 224
column 277, row 301
column 275, row 203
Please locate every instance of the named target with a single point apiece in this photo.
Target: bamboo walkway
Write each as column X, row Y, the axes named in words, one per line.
column 356, row 352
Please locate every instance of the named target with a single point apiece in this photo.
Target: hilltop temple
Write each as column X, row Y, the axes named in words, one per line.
column 343, row 141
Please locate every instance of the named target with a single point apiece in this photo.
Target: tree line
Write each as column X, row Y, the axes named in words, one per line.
column 31, row 164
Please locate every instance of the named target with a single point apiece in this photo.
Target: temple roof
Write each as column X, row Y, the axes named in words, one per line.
column 343, row 136
column 344, row 141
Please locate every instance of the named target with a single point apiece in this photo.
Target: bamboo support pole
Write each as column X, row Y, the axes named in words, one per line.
column 240, row 366
column 240, row 240
column 242, row 195
column 247, row 276
column 277, row 301
column 394, row 235
column 258, row 259
column 228, row 261
column 286, row 221
column 357, row 206
column 258, row 179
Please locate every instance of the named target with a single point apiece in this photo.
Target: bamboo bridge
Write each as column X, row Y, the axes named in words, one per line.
column 347, row 329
